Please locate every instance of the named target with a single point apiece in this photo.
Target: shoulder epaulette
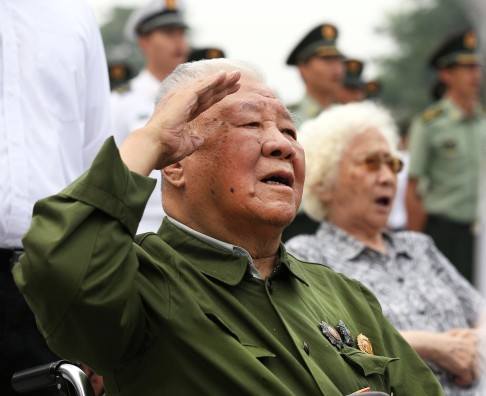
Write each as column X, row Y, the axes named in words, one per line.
column 121, row 89
column 431, row 113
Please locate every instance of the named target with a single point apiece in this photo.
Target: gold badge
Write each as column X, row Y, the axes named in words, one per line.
column 470, row 40
column 364, row 344
column 214, row 53
column 118, row 72
column 353, row 66
column 372, row 87
column 171, row 4
column 328, row 32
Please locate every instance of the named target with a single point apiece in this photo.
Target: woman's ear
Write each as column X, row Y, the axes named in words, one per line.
column 174, row 174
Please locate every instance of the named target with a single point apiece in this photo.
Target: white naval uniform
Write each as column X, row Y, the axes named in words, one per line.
column 130, row 110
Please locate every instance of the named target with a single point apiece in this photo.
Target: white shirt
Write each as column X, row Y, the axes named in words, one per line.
column 130, row 110
column 54, row 103
column 398, row 216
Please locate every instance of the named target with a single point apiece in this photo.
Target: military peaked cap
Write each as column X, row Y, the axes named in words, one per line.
column 205, row 53
column 459, row 49
column 353, row 69
column 320, row 41
column 156, row 14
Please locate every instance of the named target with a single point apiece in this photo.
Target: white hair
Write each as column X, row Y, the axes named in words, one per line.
column 324, row 140
column 188, row 72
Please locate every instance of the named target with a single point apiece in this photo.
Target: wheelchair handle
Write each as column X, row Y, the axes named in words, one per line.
column 51, row 374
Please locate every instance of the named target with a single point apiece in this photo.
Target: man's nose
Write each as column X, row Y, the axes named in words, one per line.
column 277, row 145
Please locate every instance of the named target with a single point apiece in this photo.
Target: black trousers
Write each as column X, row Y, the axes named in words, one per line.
column 456, row 241
column 21, row 344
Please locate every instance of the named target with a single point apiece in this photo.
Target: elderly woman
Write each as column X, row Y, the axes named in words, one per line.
column 350, row 185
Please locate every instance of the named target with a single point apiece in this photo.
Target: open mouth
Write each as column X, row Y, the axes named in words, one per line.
column 383, row 201
column 279, row 180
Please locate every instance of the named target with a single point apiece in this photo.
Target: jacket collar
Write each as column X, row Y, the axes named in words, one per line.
column 225, row 265
column 455, row 113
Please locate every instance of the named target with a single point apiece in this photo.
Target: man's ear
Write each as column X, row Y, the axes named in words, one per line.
column 445, row 76
column 174, row 174
column 143, row 43
column 302, row 70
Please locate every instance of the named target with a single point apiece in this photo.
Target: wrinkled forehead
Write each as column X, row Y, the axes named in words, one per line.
column 253, row 96
column 370, row 140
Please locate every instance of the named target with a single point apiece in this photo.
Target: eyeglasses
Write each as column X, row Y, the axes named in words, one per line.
column 373, row 162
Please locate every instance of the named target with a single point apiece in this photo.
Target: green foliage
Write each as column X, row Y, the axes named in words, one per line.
column 417, row 32
column 116, row 46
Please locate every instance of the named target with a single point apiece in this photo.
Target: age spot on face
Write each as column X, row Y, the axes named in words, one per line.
column 232, row 190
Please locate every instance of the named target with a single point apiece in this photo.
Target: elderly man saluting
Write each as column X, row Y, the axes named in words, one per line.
column 211, row 304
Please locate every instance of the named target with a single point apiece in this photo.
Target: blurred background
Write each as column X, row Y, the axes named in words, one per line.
column 393, row 37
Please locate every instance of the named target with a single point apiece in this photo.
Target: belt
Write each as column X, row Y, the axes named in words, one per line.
column 8, row 258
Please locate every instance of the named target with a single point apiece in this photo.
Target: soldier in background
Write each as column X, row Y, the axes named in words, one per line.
column 373, row 89
column 353, row 89
column 447, row 143
column 205, row 53
column 119, row 73
column 160, row 29
column 321, row 67
column 437, row 90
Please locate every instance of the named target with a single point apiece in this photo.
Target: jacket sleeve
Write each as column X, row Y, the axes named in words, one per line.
column 79, row 271
column 408, row 375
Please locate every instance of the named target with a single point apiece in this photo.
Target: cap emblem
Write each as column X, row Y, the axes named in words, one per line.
column 353, row 66
column 470, row 40
column 171, row 5
column 214, row 53
column 328, row 32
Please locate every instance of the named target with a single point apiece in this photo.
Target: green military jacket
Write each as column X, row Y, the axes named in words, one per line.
column 172, row 315
column 305, row 110
column 446, row 150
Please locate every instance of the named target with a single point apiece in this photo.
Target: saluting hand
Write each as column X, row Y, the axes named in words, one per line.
column 165, row 139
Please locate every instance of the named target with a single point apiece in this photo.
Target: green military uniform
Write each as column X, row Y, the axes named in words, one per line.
column 446, row 149
column 174, row 315
column 304, row 110
column 321, row 42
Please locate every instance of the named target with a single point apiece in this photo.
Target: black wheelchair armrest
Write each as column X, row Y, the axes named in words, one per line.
column 53, row 374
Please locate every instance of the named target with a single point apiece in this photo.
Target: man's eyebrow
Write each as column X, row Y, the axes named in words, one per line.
column 250, row 106
column 292, row 117
column 258, row 106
